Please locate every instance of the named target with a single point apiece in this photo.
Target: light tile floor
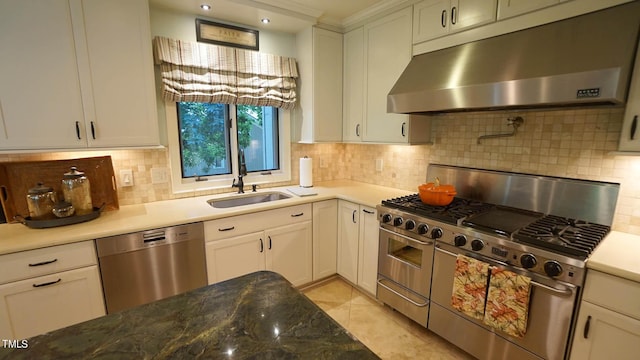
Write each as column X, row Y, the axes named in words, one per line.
column 387, row 333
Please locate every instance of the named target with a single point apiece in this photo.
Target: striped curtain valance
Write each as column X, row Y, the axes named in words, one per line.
column 196, row 72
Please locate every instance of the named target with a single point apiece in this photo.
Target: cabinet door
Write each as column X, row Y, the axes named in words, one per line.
column 235, row 256
column 38, row 305
column 40, row 96
column 289, row 252
column 353, row 86
column 368, row 250
column 509, row 8
column 388, row 51
column 466, row 14
column 327, row 85
column 348, row 230
column 325, row 238
column 431, row 19
column 630, row 134
column 605, row 334
column 122, row 107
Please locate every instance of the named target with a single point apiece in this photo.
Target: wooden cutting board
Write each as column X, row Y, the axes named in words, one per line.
column 16, row 178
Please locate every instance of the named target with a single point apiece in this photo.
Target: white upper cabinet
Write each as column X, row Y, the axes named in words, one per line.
column 318, row 118
column 353, row 86
column 630, row 134
column 121, row 67
column 436, row 18
column 76, row 74
column 39, row 84
column 387, row 48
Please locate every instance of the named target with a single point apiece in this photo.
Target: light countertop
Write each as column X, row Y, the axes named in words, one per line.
column 617, row 255
column 132, row 218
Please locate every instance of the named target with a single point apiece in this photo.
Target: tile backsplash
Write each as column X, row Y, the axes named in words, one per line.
column 565, row 143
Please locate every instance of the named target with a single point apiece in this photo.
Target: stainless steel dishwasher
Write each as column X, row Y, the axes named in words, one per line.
column 139, row 268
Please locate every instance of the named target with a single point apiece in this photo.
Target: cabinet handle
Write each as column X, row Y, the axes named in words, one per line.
column 454, row 16
column 586, row 327
column 93, row 131
column 269, row 242
column 358, row 130
column 47, row 283
column 443, row 18
column 261, row 245
column 353, row 216
column 634, row 125
column 43, row 263
column 78, row 130
column 296, row 215
column 367, row 211
column 227, row 229
column 404, row 125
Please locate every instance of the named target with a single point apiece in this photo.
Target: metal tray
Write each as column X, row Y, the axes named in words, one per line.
column 74, row 219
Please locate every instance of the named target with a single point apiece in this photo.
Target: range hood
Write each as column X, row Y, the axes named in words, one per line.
column 585, row 60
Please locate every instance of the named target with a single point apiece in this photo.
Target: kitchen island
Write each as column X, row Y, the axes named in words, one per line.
column 259, row 315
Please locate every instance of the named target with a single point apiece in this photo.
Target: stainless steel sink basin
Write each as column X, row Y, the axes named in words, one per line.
column 241, row 200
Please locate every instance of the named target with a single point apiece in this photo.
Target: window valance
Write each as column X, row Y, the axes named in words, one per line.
column 196, row 72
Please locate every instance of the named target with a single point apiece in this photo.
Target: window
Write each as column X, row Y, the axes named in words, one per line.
column 205, row 141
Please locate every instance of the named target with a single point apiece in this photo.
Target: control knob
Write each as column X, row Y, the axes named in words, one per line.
column 552, row 268
column 528, row 261
column 423, row 229
column 397, row 221
column 477, row 244
column 410, row 225
column 436, row 233
column 460, row 240
column 386, row 218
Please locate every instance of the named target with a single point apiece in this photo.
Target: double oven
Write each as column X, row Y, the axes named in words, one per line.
column 524, row 227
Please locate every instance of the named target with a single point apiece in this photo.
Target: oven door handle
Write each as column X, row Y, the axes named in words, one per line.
column 402, row 296
column 426, row 243
column 565, row 291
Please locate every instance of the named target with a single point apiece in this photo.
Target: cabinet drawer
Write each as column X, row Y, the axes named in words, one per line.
column 34, row 306
column 28, row 264
column 613, row 293
column 248, row 223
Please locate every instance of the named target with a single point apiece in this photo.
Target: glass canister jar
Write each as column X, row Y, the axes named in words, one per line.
column 40, row 201
column 77, row 191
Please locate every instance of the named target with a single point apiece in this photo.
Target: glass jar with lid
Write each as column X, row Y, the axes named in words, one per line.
column 40, row 201
column 77, row 191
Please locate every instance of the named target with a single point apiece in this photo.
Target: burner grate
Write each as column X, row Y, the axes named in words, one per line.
column 564, row 235
column 451, row 214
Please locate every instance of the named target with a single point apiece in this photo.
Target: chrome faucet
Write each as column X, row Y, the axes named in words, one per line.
column 241, row 174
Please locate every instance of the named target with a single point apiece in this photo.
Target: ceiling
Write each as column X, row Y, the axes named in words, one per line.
column 286, row 15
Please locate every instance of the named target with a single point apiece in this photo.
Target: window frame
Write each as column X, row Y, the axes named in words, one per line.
column 215, row 182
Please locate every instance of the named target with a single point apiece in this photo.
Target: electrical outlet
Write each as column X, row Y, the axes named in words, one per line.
column 378, row 165
column 159, row 175
column 126, row 177
column 323, row 162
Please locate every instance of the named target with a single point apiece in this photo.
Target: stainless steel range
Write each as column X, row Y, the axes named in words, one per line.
column 540, row 228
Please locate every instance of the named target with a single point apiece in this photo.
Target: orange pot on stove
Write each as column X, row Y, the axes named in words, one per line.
column 436, row 194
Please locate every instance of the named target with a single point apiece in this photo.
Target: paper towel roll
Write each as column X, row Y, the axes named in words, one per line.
column 306, row 172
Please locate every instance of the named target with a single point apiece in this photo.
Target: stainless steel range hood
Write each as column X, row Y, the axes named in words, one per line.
column 585, row 60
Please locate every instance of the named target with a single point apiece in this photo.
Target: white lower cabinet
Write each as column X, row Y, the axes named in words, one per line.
column 65, row 292
column 325, row 238
column 608, row 325
column 278, row 240
column 358, row 245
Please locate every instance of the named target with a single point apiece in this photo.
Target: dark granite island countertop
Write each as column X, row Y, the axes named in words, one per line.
column 256, row 316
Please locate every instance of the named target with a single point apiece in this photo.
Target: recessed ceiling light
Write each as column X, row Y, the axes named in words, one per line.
column 205, row 7
column 265, row 21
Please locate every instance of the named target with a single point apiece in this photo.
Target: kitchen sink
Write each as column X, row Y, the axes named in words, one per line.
column 247, row 199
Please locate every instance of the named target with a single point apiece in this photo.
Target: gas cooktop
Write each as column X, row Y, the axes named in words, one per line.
column 571, row 237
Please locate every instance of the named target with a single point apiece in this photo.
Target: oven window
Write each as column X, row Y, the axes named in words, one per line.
column 405, row 252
